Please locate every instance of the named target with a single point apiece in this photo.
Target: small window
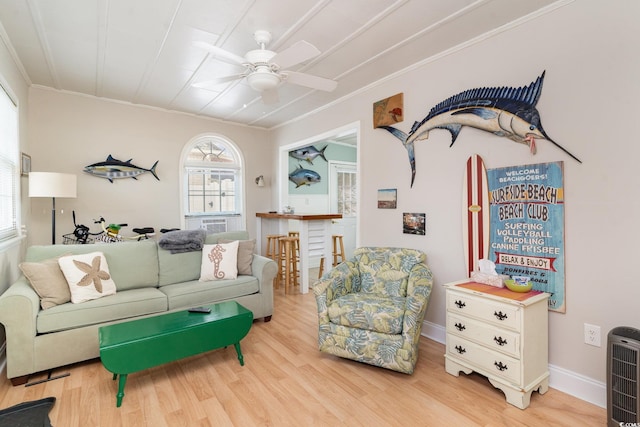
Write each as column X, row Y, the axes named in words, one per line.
column 347, row 193
column 213, row 178
column 9, row 197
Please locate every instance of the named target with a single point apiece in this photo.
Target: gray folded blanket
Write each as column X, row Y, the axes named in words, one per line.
column 183, row 240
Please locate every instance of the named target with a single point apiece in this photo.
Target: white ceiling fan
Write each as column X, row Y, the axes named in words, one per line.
column 265, row 70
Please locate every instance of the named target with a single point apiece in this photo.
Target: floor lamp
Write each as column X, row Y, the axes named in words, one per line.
column 52, row 184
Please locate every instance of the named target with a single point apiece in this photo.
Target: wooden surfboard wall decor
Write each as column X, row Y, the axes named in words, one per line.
column 475, row 215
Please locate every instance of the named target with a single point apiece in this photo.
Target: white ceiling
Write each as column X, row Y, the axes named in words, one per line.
column 142, row 51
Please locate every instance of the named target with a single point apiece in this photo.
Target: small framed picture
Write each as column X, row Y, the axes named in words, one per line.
column 387, row 198
column 413, row 223
column 25, row 164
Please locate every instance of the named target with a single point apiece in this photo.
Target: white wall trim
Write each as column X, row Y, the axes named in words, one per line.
column 577, row 385
column 561, row 379
column 478, row 39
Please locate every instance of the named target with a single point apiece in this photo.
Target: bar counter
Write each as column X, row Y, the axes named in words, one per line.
column 315, row 237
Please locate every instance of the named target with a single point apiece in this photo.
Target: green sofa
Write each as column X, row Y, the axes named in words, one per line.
column 149, row 281
column 371, row 307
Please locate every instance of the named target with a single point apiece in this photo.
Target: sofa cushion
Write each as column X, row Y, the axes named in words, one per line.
column 246, row 249
column 226, row 235
column 378, row 313
column 122, row 305
column 184, row 267
column 219, row 261
column 132, row 264
column 88, row 276
column 193, row 293
column 47, row 280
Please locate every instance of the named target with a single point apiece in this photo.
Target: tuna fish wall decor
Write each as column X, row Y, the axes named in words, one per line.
column 308, row 153
column 115, row 169
column 503, row 111
column 302, row 176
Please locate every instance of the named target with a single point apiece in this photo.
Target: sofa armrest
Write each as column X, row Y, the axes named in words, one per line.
column 418, row 294
column 19, row 307
column 265, row 270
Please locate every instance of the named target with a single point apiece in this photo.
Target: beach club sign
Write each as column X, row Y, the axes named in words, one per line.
column 527, row 226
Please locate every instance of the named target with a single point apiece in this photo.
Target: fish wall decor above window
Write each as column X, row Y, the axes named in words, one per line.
column 504, row 111
column 308, row 153
column 113, row 168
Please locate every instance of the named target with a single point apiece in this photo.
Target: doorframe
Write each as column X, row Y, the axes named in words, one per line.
column 283, row 164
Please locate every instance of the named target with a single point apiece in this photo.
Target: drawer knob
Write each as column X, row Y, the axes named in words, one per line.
column 500, row 315
column 460, row 326
column 460, row 304
column 500, row 341
column 460, row 349
column 500, row 366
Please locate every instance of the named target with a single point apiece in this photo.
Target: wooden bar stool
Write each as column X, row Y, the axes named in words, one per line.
column 296, row 234
column 337, row 239
column 288, row 263
column 272, row 252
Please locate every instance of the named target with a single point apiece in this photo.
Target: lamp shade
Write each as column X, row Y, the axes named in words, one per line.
column 52, row 184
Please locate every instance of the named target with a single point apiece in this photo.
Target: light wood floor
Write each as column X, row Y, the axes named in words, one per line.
column 286, row 381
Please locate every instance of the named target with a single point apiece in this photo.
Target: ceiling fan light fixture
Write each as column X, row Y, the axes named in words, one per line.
column 263, row 79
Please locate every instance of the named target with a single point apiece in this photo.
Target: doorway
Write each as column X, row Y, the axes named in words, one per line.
column 337, row 140
column 343, row 196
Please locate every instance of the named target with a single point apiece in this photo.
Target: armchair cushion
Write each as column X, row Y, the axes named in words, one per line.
column 373, row 312
column 385, row 271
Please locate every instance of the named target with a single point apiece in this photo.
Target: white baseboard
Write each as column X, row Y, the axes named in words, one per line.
column 561, row 379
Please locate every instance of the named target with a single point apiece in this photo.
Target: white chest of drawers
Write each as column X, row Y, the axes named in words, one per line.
column 504, row 339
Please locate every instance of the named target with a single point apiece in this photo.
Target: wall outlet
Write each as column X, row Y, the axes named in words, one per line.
column 592, row 335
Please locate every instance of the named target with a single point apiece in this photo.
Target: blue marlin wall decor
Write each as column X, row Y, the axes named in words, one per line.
column 504, row 111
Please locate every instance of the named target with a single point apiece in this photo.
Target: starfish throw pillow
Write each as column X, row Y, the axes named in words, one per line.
column 87, row 276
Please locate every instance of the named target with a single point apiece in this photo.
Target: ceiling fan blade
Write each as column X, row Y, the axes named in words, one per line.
column 295, row 54
column 311, row 81
column 270, row 96
column 209, row 84
column 221, row 54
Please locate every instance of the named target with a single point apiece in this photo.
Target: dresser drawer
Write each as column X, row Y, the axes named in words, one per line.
column 498, row 339
column 493, row 312
column 483, row 360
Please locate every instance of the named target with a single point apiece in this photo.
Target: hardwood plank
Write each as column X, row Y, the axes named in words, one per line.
column 286, row 381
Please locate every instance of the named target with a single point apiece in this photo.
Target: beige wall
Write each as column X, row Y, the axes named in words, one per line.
column 68, row 132
column 589, row 104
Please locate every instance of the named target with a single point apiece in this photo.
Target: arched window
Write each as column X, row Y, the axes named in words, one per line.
column 212, row 183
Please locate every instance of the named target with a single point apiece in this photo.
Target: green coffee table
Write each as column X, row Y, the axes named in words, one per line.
column 142, row 344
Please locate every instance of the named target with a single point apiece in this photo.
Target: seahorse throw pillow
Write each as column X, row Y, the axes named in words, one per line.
column 219, row 261
column 88, row 276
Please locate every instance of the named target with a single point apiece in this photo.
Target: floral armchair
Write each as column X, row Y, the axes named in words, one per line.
column 371, row 307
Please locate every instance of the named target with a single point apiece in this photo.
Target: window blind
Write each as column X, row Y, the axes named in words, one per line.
column 9, row 172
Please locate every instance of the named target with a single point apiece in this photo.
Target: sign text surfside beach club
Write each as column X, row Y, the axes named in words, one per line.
column 527, row 226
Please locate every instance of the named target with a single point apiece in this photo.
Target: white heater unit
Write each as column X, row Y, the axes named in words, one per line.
column 214, row 225
column 623, row 374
